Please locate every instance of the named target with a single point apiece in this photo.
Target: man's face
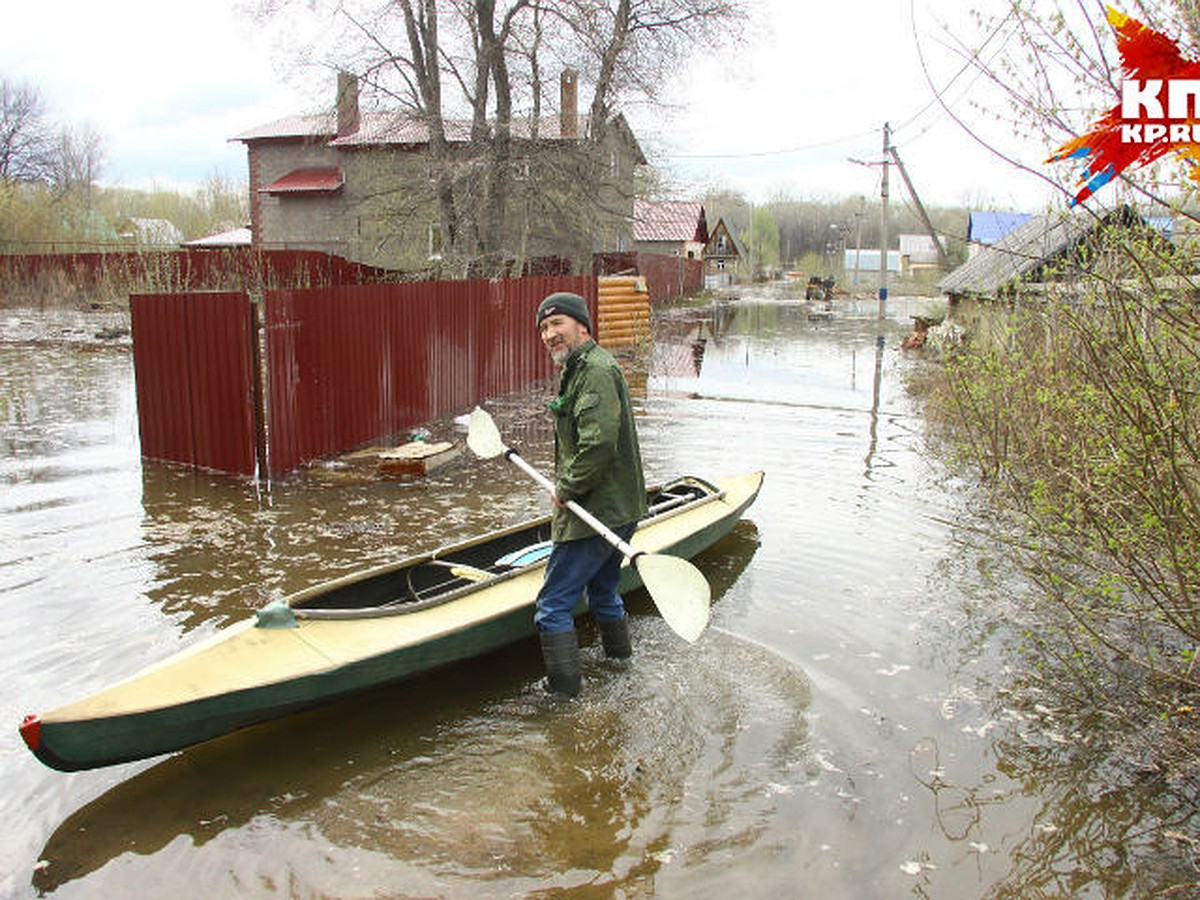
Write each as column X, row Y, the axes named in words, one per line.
column 561, row 334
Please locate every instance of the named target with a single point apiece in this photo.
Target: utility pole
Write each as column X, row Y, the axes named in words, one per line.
column 883, row 274
column 750, row 241
column 924, row 216
column 883, row 221
column 858, row 216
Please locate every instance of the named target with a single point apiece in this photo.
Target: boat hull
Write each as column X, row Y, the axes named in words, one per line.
column 245, row 674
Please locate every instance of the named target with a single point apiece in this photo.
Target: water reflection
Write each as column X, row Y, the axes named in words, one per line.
column 1097, row 823
column 508, row 792
column 225, row 546
column 1105, row 823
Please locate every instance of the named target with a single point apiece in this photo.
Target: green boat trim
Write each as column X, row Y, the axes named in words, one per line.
column 250, row 673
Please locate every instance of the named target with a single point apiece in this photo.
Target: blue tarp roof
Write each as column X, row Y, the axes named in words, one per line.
column 989, row 227
column 1164, row 225
column 1026, row 251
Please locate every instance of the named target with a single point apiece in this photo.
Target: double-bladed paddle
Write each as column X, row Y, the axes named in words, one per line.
column 676, row 586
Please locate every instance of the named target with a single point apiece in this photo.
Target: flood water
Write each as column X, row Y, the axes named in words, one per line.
column 833, row 735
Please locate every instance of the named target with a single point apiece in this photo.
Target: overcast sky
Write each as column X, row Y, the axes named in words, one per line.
column 167, row 83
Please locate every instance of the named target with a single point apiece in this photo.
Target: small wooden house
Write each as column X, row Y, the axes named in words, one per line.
column 1053, row 247
column 986, row 228
column 722, row 257
column 918, row 252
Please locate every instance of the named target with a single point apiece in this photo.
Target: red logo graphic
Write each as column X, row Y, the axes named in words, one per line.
column 1159, row 110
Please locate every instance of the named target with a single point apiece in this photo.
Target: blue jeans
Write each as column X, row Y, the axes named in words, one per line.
column 590, row 564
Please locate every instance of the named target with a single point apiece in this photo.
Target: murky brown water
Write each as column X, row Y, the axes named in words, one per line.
column 830, row 736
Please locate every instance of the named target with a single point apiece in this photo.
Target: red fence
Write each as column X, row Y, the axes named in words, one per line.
column 344, row 365
column 245, row 268
column 349, row 364
column 191, row 269
column 193, row 355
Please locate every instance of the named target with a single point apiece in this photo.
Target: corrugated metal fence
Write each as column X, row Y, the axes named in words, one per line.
column 189, row 269
column 343, row 365
column 194, row 359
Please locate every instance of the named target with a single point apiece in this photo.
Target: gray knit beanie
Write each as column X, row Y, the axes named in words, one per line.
column 566, row 304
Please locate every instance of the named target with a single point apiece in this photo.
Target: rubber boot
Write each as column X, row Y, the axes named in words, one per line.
column 564, row 673
column 614, row 635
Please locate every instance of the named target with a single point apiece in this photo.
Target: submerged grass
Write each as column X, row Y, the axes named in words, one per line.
column 1081, row 423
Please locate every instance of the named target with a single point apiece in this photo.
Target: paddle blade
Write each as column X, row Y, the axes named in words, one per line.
column 483, row 437
column 678, row 590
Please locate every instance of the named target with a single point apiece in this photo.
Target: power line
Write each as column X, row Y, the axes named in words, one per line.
column 937, row 101
column 750, row 154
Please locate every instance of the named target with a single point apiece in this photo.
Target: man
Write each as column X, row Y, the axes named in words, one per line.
column 598, row 464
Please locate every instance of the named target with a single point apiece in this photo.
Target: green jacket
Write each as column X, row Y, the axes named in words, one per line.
column 597, row 462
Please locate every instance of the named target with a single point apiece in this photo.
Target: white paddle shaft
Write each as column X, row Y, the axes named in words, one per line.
column 677, row 588
column 600, row 528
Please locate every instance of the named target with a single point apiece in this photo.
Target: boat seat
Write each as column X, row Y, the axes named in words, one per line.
column 525, row 556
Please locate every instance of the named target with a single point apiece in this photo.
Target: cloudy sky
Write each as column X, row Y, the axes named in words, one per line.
column 167, row 83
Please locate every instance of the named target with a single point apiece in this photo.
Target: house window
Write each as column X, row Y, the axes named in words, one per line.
column 435, row 241
column 720, row 265
column 721, row 243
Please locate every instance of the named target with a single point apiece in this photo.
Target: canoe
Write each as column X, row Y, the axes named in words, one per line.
column 362, row 630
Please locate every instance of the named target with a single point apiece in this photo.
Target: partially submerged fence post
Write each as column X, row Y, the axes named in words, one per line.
column 257, row 340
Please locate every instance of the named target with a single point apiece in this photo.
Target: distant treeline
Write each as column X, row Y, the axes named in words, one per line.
column 789, row 233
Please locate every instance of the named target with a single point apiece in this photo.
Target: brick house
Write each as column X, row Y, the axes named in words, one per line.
column 360, row 184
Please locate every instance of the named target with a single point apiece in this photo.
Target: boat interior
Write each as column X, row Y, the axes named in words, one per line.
column 425, row 580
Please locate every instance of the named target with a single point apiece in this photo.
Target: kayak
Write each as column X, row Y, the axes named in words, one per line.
column 359, row 631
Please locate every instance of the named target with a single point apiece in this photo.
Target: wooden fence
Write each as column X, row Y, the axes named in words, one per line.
column 667, row 277
column 623, row 303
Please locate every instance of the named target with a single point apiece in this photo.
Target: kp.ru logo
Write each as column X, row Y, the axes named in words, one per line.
column 1159, row 110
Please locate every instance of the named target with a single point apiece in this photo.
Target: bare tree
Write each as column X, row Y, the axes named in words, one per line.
column 25, row 139
column 223, row 201
column 475, row 67
column 1080, row 409
column 78, row 158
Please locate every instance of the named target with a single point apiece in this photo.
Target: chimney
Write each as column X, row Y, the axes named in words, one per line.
column 347, row 104
column 568, row 107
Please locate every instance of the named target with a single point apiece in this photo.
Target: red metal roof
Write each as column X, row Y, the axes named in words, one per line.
column 669, row 220
column 379, row 128
column 376, row 128
column 306, row 181
column 323, row 125
column 397, row 128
